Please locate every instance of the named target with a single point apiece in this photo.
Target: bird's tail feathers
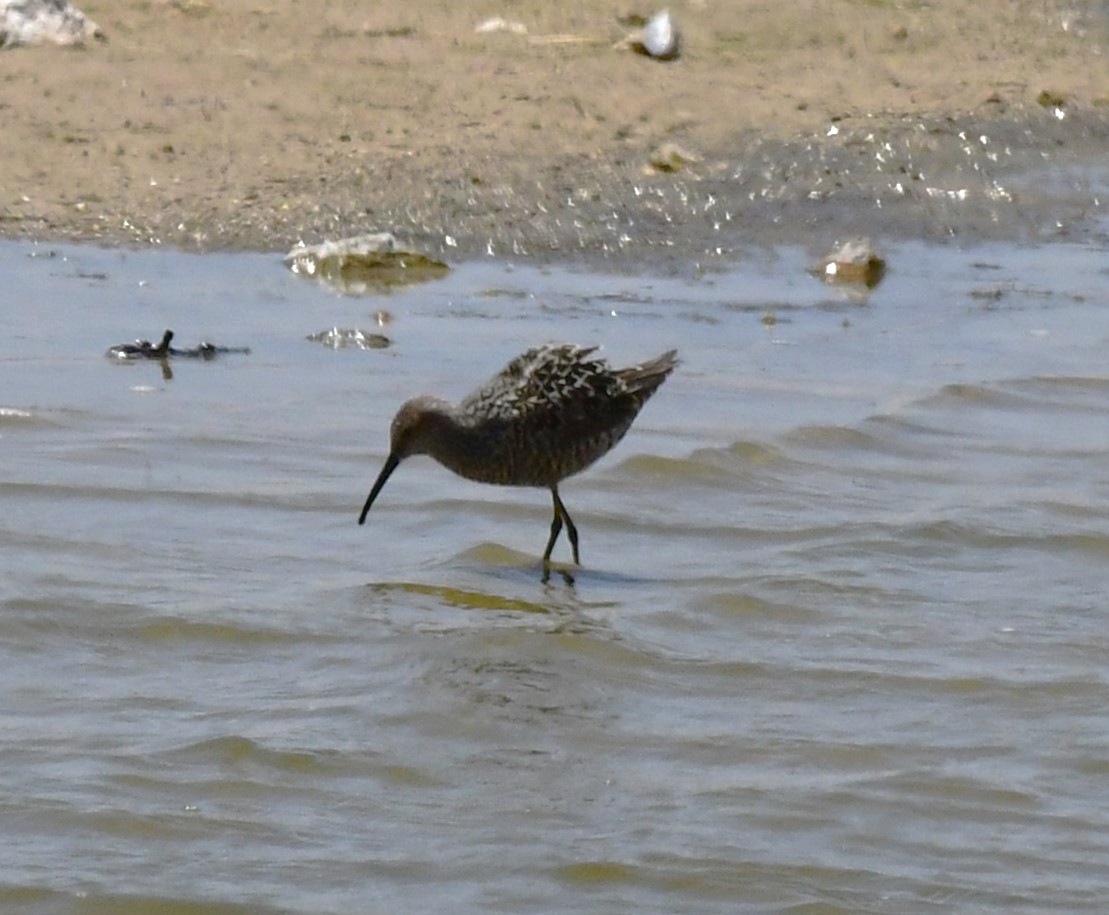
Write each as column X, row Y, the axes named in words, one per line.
column 647, row 376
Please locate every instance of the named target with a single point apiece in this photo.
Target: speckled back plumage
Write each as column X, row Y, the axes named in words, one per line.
column 550, row 413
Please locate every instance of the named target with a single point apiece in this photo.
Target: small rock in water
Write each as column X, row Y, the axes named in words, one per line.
column 343, row 337
column 364, row 263
column 658, row 38
column 25, row 22
column 853, row 261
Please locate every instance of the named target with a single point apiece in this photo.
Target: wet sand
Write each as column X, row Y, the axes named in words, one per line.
column 207, row 124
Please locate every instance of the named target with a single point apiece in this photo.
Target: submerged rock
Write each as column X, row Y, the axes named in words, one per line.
column 364, row 263
column 344, row 337
column 852, row 261
column 36, row 21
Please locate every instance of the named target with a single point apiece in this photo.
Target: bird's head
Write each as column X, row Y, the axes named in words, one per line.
column 415, row 427
column 414, row 431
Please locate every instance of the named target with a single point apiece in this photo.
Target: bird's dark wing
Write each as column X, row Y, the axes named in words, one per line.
column 545, row 378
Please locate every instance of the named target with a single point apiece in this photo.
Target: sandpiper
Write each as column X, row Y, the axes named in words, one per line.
column 548, row 414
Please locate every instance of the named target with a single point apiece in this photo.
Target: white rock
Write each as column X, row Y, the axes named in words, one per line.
column 37, row 21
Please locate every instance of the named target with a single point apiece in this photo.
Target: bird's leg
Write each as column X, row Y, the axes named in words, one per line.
column 556, row 529
column 571, row 531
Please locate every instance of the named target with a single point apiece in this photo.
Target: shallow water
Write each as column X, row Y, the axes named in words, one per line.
column 839, row 643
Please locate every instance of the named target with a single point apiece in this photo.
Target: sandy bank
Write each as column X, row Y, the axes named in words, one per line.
column 210, row 124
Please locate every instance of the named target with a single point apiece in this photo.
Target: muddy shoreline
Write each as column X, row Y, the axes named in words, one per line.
column 208, row 125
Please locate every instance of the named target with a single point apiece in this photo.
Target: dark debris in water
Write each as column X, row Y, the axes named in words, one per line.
column 164, row 350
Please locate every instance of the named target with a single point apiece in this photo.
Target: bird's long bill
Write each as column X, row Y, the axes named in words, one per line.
column 390, row 465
